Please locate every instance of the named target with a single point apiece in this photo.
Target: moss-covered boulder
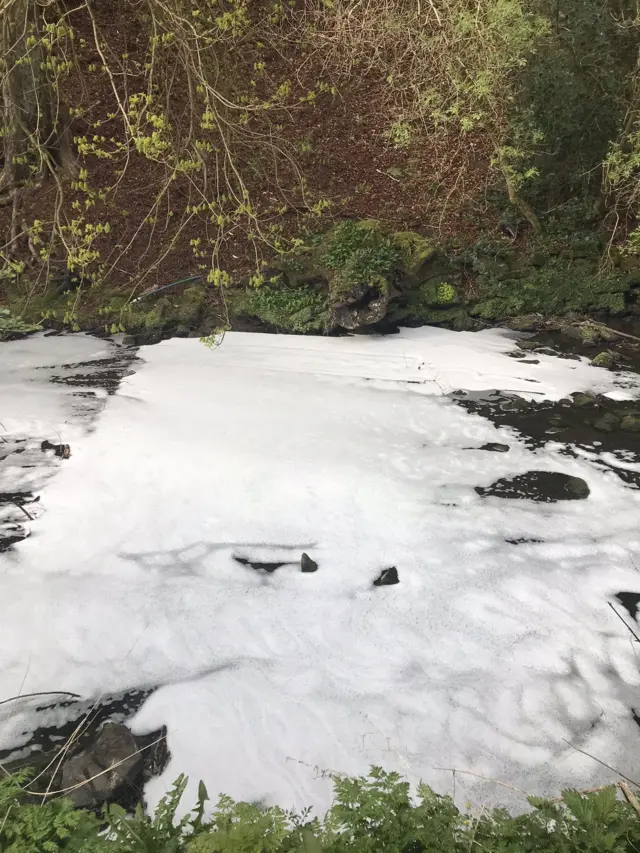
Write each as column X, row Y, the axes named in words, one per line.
column 356, row 275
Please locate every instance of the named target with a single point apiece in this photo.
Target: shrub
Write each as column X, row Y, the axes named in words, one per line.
column 297, row 309
column 376, row 813
column 360, row 254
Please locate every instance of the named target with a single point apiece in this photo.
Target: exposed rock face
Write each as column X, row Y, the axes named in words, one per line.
column 115, row 751
column 361, row 306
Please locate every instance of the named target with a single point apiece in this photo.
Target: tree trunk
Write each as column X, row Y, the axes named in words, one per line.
column 36, row 136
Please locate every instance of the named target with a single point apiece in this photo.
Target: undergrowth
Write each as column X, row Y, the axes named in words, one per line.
column 299, row 309
column 372, row 813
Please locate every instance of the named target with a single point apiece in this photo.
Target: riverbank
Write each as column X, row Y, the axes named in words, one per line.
column 361, row 276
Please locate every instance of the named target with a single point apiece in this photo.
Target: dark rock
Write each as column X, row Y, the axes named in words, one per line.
column 524, row 541
column 181, row 332
column 258, row 566
column 307, row 564
column 362, row 306
column 115, row 745
column 463, row 322
column 630, row 602
column 129, row 340
column 495, row 447
column 572, row 332
column 526, row 323
column 387, row 577
column 547, row 486
column 61, row 450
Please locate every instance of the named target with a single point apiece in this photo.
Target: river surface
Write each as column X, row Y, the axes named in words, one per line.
column 469, row 595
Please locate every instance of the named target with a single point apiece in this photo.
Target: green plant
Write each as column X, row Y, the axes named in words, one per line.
column 360, row 254
column 9, row 322
column 554, row 289
column 376, row 813
column 161, row 832
column 296, row 309
column 51, row 828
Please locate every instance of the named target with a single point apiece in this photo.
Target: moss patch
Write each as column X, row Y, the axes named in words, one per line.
column 557, row 288
column 359, row 255
column 416, row 251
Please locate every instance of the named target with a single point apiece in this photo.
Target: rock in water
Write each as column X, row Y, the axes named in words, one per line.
column 387, row 577
column 631, row 422
column 115, row 745
column 307, row 564
column 548, row 486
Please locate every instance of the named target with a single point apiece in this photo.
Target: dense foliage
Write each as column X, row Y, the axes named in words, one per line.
column 177, row 141
column 370, row 814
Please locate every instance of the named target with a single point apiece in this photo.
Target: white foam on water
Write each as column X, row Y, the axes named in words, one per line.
column 487, row 656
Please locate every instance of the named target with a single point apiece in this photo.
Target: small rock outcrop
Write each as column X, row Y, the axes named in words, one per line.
column 307, row 564
column 360, row 306
column 387, row 577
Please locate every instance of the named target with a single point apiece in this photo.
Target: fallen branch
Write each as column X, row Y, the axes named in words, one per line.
column 603, row 763
column 613, row 331
column 627, row 626
column 630, row 797
column 29, row 516
column 44, row 693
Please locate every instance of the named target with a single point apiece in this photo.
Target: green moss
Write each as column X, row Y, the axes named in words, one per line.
column 191, row 306
column 555, row 289
column 359, row 254
column 604, row 359
column 300, row 309
column 415, row 251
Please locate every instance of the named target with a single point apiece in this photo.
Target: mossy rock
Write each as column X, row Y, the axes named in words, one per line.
column 604, row 359
column 191, row 306
column 631, row 422
column 582, row 400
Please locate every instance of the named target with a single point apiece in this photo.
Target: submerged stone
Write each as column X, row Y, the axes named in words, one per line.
column 631, row 422
column 607, row 423
column 108, row 767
